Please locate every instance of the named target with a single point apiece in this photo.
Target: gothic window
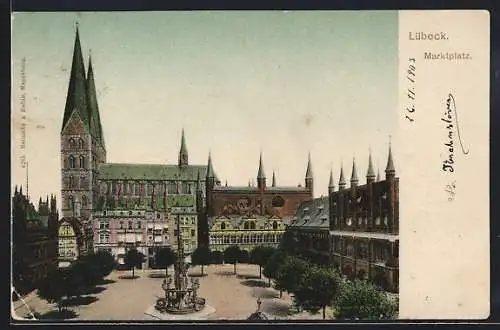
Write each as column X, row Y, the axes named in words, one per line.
column 246, row 226
column 70, row 201
column 275, row 225
column 71, row 181
column 83, row 182
column 138, row 225
column 223, row 226
column 72, row 143
column 121, row 224
column 82, row 162
column 252, row 225
column 84, row 200
column 72, row 162
column 80, row 143
column 130, row 225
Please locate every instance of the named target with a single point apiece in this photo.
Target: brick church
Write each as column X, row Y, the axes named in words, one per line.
column 115, row 206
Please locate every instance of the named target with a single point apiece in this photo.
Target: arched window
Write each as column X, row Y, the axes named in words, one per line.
column 84, row 200
column 72, row 162
column 223, row 226
column 71, row 181
column 82, row 162
column 275, row 225
column 252, row 224
column 70, row 201
column 121, row 224
column 80, row 143
column 246, row 226
column 130, row 225
column 83, row 182
column 72, row 143
column 138, row 225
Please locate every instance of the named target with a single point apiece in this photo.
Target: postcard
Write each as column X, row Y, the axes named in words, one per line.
column 250, row 166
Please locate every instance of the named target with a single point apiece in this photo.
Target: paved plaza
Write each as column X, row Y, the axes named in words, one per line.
column 233, row 297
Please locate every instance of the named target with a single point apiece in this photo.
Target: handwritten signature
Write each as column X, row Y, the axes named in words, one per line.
column 452, row 126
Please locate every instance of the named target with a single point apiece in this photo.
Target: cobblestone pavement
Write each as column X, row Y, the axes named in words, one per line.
column 233, row 297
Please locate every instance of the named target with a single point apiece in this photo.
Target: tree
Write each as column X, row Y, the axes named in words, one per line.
column 216, row 257
column 274, row 265
column 292, row 275
column 83, row 273
column 318, row 290
column 54, row 287
column 165, row 257
column 201, row 256
column 288, row 242
column 244, row 257
column 260, row 255
column 232, row 255
column 104, row 261
column 133, row 258
column 361, row 300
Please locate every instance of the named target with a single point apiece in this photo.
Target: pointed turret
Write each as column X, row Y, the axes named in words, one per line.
column 331, row 184
column 183, row 153
column 95, row 119
column 76, row 99
column 309, row 174
column 261, row 176
column 354, row 175
column 274, row 180
column 342, row 182
column 370, row 174
column 390, row 171
column 210, row 169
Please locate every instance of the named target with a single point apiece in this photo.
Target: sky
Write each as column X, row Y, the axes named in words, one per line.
column 239, row 83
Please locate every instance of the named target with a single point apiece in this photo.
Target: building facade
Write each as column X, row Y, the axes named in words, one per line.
column 34, row 241
column 115, row 206
column 355, row 227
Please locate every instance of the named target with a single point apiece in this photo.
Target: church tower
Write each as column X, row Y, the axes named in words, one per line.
column 82, row 142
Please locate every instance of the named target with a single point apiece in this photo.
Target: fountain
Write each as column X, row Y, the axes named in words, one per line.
column 181, row 301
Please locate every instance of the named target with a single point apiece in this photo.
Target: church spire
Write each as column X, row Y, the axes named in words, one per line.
column 95, row 120
column 331, row 185
column 183, row 153
column 390, row 171
column 76, row 99
column 210, row 169
column 354, row 175
column 342, row 182
column 309, row 171
column 261, row 174
column 370, row 174
column 274, row 180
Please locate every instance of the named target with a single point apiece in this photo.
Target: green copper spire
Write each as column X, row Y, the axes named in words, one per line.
column 183, row 153
column 95, row 120
column 76, row 99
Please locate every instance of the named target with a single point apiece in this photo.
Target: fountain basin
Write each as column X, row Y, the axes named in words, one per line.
column 153, row 314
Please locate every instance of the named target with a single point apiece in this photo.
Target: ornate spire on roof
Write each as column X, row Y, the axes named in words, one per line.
column 331, row 184
column 95, row 120
column 342, row 182
column 370, row 174
column 354, row 175
column 183, row 153
column 261, row 174
column 210, row 169
column 390, row 170
column 309, row 171
column 274, row 180
column 76, row 99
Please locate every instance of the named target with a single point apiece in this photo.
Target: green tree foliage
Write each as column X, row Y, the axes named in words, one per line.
column 292, row 275
column 318, row 290
column 83, row 273
column 232, row 255
column 260, row 255
column 244, row 257
column 165, row 257
column 104, row 261
column 201, row 256
column 133, row 259
column 216, row 257
column 288, row 243
column 274, row 264
column 360, row 300
column 55, row 287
